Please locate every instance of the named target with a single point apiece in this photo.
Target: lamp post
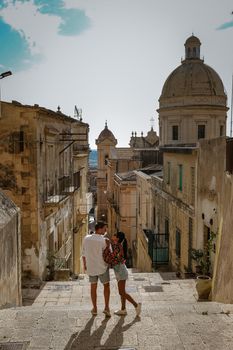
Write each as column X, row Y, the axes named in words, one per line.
column 2, row 76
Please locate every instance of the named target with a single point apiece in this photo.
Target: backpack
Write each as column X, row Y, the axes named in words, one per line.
column 107, row 256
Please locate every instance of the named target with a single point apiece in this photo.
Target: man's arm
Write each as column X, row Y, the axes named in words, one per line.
column 84, row 263
column 83, row 257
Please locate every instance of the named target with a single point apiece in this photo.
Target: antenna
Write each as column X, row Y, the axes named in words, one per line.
column 78, row 113
column 231, row 105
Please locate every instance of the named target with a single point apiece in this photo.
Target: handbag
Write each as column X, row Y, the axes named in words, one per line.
column 107, row 256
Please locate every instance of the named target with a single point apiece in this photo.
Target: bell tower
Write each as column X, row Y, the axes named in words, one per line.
column 106, row 144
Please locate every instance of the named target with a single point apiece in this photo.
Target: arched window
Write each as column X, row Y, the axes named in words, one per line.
column 194, row 52
column 106, row 160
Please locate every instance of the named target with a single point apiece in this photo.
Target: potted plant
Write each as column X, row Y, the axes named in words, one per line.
column 203, row 268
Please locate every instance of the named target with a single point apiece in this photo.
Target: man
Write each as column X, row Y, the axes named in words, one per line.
column 95, row 267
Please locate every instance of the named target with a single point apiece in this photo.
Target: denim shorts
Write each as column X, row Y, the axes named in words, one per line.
column 104, row 278
column 121, row 272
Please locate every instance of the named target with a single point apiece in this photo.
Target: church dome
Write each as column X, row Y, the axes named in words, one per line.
column 106, row 134
column 193, row 77
column 193, row 103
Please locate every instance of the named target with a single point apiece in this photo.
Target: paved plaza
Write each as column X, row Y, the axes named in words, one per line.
column 171, row 318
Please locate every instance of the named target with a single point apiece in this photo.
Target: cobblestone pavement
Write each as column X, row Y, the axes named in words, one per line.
column 171, row 318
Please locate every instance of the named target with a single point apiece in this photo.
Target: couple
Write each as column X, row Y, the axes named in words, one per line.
column 94, row 247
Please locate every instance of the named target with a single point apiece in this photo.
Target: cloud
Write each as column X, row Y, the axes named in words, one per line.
column 15, row 51
column 73, row 21
column 30, row 27
column 226, row 25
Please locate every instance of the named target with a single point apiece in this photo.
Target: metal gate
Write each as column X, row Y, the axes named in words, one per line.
column 158, row 247
column 161, row 249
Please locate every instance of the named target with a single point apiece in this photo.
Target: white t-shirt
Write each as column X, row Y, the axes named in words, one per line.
column 93, row 246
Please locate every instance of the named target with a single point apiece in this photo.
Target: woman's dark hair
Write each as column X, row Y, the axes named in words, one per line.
column 123, row 241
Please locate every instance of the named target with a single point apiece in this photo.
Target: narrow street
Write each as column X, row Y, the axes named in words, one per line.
column 171, row 318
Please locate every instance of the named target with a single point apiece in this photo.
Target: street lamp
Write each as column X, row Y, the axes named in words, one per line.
column 5, row 74
column 2, row 76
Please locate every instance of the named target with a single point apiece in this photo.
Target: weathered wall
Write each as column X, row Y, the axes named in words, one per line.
column 176, row 206
column 10, row 254
column 223, row 281
column 211, row 166
column 143, row 259
column 222, row 289
column 38, row 166
column 143, row 221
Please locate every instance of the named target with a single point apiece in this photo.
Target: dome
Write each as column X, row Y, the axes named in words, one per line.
column 192, row 104
column 193, row 77
column 106, row 134
column 192, row 39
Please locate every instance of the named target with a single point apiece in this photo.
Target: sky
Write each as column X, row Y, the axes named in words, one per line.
column 108, row 57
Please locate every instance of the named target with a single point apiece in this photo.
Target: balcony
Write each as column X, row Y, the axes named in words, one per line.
column 67, row 184
column 80, row 149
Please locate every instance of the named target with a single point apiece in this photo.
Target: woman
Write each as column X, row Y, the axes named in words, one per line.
column 118, row 255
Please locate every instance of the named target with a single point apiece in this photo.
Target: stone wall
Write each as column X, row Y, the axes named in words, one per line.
column 223, row 280
column 143, row 259
column 10, row 256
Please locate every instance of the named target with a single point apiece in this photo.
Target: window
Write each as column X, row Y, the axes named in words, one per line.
column 77, row 180
column 168, row 172
column 16, row 144
column 194, row 52
column 106, row 160
column 166, row 225
column 221, row 130
column 154, row 215
column 201, row 132
column 51, row 242
column 178, row 243
column 180, row 184
column 175, row 132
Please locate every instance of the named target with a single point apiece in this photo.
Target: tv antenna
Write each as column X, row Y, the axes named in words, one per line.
column 78, row 113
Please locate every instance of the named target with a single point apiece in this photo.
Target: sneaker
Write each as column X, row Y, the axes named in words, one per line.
column 120, row 312
column 107, row 313
column 138, row 309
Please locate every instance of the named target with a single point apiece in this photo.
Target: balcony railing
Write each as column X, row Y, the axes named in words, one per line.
column 80, row 148
column 66, row 184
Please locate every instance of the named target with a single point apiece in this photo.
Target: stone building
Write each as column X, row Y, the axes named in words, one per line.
column 122, row 208
column 43, row 169
column 146, row 220
column 116, row 182
column 192, row 104
column 10, row 253
column 192, row 107
column 112, row 159
column 106, row 144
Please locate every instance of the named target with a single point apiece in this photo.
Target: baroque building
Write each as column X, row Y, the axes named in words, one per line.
column 192, row 108
column 43, row 169
column 192, row 105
